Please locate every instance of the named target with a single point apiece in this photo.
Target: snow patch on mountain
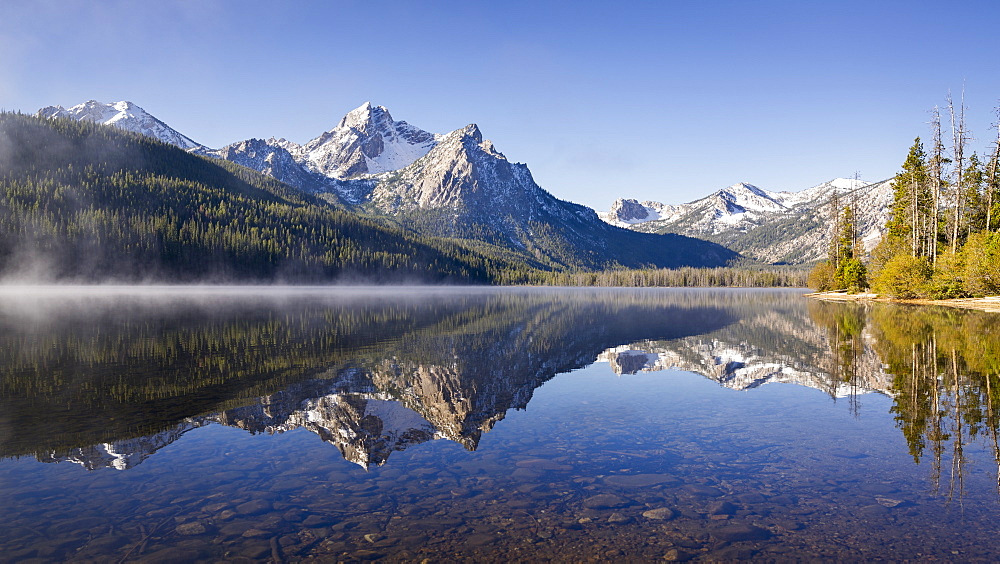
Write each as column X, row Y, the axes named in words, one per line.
column 273, row 160
column 785, row 226
column 366, row 141
column 123, row 115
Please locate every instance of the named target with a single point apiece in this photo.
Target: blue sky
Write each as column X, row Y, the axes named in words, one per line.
column 664, row 100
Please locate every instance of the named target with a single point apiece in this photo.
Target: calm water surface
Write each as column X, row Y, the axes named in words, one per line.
column 237, row 425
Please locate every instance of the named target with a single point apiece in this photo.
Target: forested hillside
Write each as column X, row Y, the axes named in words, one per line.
column 85, row 202
column 79, row 201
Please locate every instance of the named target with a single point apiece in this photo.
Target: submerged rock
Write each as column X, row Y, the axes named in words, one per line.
column 604, row 501
column 735, row 533
column 660, row 513
column 194, row 528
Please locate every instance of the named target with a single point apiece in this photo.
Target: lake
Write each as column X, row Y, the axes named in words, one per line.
column 482, row 424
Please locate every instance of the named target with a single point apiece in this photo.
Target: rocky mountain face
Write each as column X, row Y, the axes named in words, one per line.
column 274, row 160
column 741, row 365
column 366, row 141
column 456, row 185
column 464, row 175
column 773, row 227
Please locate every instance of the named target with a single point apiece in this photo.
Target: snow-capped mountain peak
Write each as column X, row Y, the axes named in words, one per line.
column 744, row 198
column 124, row 115
column 363, row 115
column 366, row 141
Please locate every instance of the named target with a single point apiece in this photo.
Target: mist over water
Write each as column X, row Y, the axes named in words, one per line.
column 484, row 424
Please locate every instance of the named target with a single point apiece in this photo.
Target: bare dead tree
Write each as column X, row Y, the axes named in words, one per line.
column 854, row 216
column 937, row 175
column 991, row 174
column 959, row 137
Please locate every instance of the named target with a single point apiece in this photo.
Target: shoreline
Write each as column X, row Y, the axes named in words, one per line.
column 989, row 304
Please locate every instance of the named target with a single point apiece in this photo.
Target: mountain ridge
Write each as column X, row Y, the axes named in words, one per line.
column 456, row 185
column 124, row 115
column 773, row 227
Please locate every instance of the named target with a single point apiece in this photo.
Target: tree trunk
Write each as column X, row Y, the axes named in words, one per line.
column 958, row 148
column 936, row 182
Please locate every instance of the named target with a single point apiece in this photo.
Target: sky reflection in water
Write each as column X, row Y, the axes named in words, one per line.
column 411, row 424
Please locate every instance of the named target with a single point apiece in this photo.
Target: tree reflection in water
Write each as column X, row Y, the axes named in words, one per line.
column 944, row 365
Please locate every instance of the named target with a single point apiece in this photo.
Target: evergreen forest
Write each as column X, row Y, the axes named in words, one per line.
column 942, row 239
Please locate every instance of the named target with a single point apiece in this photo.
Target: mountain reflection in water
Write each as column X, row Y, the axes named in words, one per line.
column 106, row 383
column 636, row 446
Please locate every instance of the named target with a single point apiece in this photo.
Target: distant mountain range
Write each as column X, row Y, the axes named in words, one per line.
column 459, row 185
column 456, row 186
column 772, row 227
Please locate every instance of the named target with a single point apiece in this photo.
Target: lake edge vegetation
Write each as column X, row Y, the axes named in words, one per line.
column 942, row 238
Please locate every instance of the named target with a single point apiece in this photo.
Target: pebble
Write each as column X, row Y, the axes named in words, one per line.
column 873, row 511
column 878, row 488
column 790, row 525
column 317, row 521
column 889, row 502
column 618, row 518
column 676, row 555
column 751, row 498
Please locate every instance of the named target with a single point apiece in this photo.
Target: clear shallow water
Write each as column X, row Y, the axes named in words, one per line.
column 404, row 425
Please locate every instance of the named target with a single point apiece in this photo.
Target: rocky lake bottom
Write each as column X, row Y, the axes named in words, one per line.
column 439, row 436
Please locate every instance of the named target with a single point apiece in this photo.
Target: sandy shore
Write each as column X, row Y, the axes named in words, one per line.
column 989, row 303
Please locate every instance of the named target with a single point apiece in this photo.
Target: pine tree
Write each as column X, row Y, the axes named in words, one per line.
column 850, row 273
column 992, row 179
column 974, row 197
column 912, row 215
